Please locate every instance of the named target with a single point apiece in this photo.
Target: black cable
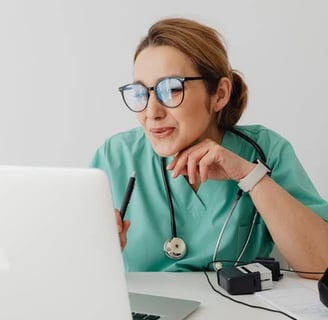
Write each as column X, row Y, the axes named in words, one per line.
column 245, row 303
column 169, row 198
column 229, row 261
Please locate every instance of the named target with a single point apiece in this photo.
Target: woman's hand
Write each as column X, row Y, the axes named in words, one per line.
column 209, row 160
column 123, row 227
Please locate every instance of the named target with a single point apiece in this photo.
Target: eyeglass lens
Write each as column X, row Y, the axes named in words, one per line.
column 168, row 91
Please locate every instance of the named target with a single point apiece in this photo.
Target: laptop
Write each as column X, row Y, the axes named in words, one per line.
column 60, row 256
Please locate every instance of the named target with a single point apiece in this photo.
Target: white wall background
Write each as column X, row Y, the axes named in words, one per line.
column 61, row 62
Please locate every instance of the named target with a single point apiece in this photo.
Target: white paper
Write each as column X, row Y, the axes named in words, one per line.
column 300, row 301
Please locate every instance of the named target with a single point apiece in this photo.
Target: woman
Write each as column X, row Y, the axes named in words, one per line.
column 230, row 202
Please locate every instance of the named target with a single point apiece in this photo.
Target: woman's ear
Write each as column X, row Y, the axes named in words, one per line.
column 222, row 94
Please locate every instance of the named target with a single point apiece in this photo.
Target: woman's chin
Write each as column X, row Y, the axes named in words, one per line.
column 164, row 153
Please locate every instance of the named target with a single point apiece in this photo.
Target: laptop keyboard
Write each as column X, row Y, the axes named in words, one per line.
column 144, row 316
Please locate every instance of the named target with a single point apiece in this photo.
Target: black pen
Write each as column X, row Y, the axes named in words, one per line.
column 127, row 195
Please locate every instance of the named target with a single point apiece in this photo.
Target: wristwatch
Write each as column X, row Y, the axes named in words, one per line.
column 251, row 180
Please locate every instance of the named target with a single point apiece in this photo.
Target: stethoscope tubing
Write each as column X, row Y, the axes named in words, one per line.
column 169, row 198
column 226, row 221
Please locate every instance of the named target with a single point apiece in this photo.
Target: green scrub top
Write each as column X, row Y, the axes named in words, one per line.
column 199, row 215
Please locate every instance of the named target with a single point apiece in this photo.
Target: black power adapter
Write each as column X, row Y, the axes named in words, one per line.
column 245, row 279
column 249, row 278
column 271, row 264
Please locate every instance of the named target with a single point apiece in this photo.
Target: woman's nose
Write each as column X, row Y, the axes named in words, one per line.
column 154, row 108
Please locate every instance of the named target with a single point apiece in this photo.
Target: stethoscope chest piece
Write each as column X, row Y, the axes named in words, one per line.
column 175, row 248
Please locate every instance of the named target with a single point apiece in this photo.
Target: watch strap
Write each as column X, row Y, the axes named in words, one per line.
column 254, row 177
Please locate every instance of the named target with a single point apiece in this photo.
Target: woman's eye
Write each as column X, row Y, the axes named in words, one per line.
column 139, row 95
column 176, row 90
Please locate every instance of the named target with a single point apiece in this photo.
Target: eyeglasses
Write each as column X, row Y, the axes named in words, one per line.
column 168, row 91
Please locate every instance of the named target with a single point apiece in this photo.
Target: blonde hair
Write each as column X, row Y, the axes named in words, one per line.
column 205, row 47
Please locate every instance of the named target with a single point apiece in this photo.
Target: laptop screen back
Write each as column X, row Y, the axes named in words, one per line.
column 59, row 251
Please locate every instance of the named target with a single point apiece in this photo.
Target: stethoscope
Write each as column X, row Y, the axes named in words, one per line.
column 175, row 247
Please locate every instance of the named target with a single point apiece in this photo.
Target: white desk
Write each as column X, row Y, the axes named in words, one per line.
column 193, row 285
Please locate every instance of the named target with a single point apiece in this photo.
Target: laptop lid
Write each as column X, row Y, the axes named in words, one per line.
column 59, row 252
column 60, row 256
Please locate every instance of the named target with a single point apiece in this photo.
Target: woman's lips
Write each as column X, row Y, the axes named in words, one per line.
column 161, row 132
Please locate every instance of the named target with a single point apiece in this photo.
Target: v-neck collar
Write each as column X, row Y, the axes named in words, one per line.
column 184, row 195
